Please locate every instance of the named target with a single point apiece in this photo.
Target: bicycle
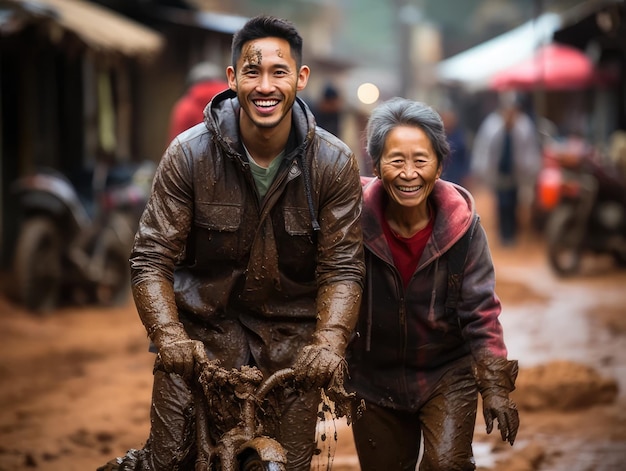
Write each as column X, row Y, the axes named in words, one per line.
column 240, row 407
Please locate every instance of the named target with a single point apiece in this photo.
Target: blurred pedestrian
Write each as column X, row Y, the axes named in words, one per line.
column 506, row 156
column 328, row 109
column 204, row 81
column 457, row 167
column 429, row 339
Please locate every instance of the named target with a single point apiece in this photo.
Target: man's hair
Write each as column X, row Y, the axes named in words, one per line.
column 267, row 27
column 404, row 112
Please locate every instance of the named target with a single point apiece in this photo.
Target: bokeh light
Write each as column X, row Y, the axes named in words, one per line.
column 368, row 93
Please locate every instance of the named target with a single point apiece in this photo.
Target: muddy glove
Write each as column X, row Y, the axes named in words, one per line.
column 322, row 361
column 177, row 352
column 496, row 379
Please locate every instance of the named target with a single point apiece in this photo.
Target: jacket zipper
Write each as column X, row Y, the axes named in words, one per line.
column 403, row 327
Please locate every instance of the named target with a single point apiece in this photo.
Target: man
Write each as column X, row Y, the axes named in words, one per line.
column 250, row 244
column 507, row 157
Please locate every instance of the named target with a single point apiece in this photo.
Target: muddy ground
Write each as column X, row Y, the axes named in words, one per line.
column 75, row 384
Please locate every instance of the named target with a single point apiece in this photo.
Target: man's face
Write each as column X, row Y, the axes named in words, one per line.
column 266, row 81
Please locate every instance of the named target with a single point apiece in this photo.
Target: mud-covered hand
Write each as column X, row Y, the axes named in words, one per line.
column 495, row 378
column 499, row 407
column 322, row 362
column 177, row 352
column 316, row 365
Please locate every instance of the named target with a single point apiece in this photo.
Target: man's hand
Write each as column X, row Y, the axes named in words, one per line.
column 500, row 407
column 322, row 360
column 180, row 357
column 177, row 352
column 316, row 366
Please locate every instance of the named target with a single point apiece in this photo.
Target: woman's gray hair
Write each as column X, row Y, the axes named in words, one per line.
column 404, row 112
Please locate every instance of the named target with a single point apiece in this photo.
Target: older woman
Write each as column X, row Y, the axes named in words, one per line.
column 426, row 343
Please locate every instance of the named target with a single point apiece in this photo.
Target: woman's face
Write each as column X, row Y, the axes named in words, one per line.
column 408, row 167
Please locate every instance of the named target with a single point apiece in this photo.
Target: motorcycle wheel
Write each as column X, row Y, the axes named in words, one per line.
column 253, row 462
column 38, row 264
column 564, row 250
column 113, row 286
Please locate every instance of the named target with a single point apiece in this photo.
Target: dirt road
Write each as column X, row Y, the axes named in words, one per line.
column 75, row 384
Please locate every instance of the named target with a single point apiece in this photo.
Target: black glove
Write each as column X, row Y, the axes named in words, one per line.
column 177, row 353
column 495, row 378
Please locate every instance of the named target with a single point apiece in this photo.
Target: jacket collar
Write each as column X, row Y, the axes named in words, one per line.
column 454, row 209
column 221, row 116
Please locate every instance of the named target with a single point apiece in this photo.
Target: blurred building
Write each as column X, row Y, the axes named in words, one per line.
column 83, row 80
column 571, row 63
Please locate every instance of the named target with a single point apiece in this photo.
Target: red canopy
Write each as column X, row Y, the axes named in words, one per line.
column 555, row 67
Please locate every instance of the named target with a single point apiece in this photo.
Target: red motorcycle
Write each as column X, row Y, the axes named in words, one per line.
column 585, row 205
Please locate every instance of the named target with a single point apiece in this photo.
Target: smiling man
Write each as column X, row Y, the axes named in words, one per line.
column 249, row 250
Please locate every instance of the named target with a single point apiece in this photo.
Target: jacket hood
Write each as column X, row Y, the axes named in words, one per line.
column 454, row 211
column 221, row 116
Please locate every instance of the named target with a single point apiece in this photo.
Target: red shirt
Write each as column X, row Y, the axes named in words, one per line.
column 188, row 110
column 406, row 251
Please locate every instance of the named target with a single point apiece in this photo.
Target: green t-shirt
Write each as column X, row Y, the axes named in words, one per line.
column 263, row 176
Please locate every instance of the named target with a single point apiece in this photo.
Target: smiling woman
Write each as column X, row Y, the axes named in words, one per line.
column 429, row 336
column 408, row 169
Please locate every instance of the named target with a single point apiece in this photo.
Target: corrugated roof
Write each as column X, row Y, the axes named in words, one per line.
column 99, row 28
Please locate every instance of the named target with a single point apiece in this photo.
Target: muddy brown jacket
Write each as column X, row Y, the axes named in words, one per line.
column 210, row 251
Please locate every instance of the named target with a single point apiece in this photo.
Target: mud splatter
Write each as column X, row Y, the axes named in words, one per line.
column 252, row 55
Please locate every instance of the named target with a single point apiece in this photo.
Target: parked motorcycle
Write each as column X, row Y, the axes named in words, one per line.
column 75, row 236
column 586, row 205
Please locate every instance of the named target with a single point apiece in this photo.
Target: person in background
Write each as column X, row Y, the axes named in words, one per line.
column 250, row 250
column 506, row 156
column 424, row 350
column 328, row 109
column 204, row 81
column 458, row 166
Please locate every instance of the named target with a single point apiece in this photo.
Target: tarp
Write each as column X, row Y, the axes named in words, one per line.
column 474, row 68
column 553, row 67
column 98, row 28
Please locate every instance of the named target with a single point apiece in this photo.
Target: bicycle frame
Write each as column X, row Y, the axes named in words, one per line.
column 247, row 436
